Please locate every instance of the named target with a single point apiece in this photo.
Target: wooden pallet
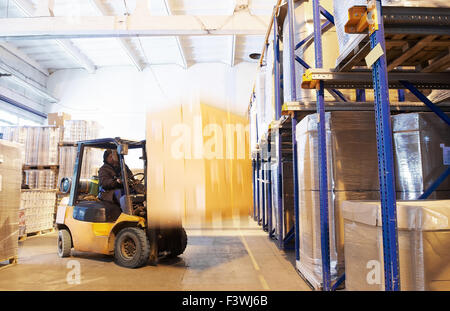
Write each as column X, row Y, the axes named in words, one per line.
column 34, row 234
column 11, row 261
column 417, row 52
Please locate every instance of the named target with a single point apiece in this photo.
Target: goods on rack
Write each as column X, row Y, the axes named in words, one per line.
column 38, row 209
column 352, row 175
column 419, row 142
column 10, row 177
column 423, row 239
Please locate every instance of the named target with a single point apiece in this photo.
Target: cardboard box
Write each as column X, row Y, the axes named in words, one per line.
column 58, row 118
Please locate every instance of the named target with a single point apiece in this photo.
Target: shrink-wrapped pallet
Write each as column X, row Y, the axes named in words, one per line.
column 423, row 243
column 352, row 169
column 348, row 42
column 10, row 180
column 38, row 207
column 420, row 144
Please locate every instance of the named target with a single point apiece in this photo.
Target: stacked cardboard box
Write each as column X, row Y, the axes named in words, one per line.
column 10, row 177
column 196, row 166
column 38, row 208
column 423, row 240
column 352, row 169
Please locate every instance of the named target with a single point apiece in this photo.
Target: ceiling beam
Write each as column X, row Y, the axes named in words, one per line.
column 26, row 7
column 124, row 44
column 169, row 12
column 130, row 26
column 23, row 56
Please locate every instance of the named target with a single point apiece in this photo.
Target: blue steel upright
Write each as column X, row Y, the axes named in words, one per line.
column 385, row 157
column 323, row 180
column 294, row 124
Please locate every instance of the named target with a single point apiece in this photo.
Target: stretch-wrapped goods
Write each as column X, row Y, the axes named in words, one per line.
column 352, row 168
column 38, row 208
column 420, row 141
column 41, row 143
column 10, row 181
column 347, row 42
column 423, row 243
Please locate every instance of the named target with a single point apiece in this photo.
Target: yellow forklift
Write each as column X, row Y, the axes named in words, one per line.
column 123, row 229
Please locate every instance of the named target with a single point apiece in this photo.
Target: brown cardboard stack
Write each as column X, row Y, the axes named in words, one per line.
column 420, row 140
column 10, row 180
column 352, row 169
column 196, row 166
column 423, row 242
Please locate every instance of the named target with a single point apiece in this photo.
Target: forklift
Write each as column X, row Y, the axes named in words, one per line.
column 123, row 229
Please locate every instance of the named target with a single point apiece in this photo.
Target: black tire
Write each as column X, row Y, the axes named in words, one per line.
column 179, row 243
column 131, row 248
column 64, row 243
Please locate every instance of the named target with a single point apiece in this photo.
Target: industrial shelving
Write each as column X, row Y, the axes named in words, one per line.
column 404, row 36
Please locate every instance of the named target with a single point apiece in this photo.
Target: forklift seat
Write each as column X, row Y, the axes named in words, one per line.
column 96, row 211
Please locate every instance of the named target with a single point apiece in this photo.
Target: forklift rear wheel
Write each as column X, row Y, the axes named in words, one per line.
column 131, row 249
column 64, row 243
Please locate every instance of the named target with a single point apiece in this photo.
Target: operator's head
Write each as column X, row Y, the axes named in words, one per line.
column 110, row 156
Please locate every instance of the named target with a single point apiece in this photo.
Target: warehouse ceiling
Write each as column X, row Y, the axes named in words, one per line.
column 56, row 53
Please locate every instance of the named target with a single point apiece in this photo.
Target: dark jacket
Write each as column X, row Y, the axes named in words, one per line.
column 108, row 176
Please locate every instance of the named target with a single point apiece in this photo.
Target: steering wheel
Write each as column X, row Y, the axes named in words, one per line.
column 139, row 180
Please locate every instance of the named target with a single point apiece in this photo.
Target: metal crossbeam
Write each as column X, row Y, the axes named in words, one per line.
column 363, row 79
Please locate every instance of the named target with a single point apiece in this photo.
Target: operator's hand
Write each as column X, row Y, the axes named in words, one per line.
column 118, row 181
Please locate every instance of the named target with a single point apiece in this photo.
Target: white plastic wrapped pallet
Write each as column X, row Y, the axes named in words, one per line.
column 352, row 169
column 347, row 42
column 10, row 177
column 419, row 142
column 423, row 240
column 260, row 100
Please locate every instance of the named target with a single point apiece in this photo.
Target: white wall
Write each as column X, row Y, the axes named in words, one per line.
column 118, row 97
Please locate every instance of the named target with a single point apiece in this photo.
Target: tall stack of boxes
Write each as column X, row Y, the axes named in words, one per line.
column 10, row 177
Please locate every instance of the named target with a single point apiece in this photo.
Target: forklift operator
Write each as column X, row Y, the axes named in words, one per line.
column 110, row 182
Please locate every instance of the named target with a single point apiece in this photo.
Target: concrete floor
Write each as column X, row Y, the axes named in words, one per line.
column 215, row 259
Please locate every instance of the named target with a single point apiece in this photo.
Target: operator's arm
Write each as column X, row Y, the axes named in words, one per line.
column 107, row 180
column 129, row 173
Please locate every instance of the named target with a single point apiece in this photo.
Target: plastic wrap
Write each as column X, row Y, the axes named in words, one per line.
column 351, row 151
column 352, row 168
column 347, row 42
column 38, row 208
column 423, row 239
column 10, row 181
column 418, row 142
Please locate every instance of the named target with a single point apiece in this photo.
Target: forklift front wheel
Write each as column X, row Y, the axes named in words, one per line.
column 64, row 243
column 131, row 249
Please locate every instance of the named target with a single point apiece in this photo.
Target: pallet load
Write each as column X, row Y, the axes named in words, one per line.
column 77, row 130
column 10, row 177
column 197, row 169
column 421, row 144
column 282, row 178
column 38, row 209
column 423, row 244
column 352, row 168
